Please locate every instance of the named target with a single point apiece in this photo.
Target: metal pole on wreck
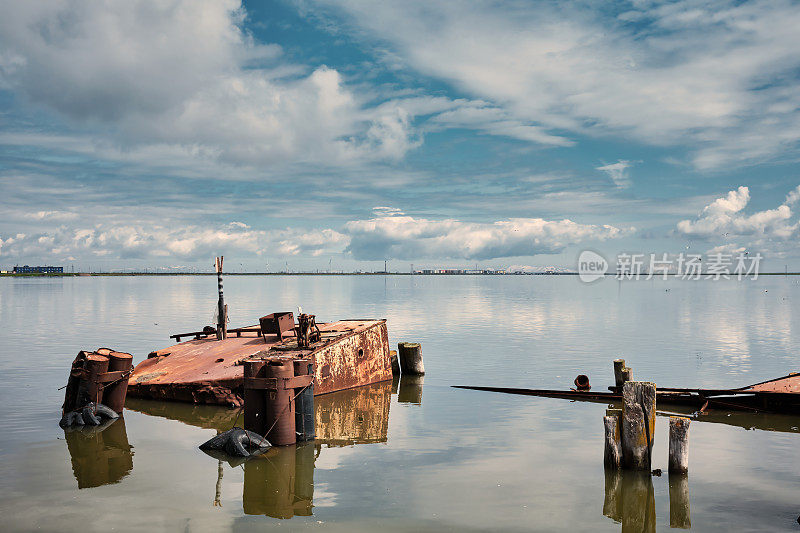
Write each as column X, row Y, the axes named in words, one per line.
column 222, row 310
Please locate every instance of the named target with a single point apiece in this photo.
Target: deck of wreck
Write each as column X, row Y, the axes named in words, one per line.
column 349, row 354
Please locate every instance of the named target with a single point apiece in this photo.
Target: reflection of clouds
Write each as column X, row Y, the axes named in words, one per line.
column 444, row 459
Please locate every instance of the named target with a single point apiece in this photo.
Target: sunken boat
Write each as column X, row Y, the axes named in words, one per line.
column 210, row 370
column 218, row 365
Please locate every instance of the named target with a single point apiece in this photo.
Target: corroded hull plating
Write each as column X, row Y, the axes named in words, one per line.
column 209, row 371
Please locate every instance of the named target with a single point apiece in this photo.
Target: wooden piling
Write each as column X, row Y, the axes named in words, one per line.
column 621, row 373
column 612, row 457
column 395, row 363
column 410, row 355
column 678, row 444
column 638, row 424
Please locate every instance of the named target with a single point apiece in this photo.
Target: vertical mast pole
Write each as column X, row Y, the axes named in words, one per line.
column 222, row 326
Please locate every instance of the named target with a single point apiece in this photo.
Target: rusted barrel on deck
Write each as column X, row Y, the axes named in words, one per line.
column 115, row 391
column 255, row 399
column 304, row 402
column 280, row 406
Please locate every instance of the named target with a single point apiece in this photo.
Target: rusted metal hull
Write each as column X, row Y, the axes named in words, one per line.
column 779, row 395
column 351, row 353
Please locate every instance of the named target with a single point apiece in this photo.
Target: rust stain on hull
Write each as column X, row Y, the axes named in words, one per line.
column 351, row 353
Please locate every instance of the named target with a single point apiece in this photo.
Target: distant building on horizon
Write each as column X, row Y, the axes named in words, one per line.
column 37, row 270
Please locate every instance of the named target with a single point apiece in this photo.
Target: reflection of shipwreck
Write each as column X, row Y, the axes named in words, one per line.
column 100, row 454
column 354, row 416
column 280, row 483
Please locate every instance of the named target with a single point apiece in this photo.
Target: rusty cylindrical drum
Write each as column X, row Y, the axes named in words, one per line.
column 304, row 402
column 74, row 383
column 254, row 399
column 95, row 365
column 279, row 405
column 115, row 392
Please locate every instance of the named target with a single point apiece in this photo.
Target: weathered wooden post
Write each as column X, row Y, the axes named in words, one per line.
column 395, row 363
column 679, row 501
column 222, row 309
column 621, row 373
column 678, row 444
column 410, row 355
column 638, row 424
column 612, row 458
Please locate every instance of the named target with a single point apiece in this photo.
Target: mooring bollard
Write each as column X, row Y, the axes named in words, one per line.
column 679, row 501
column 280, row 405
column 678, row 444
column 621, row 373
column 115, row 392
column 410, row 355
column 304, row 402
column 638, row 424
column 96, row 364
column 254, row 399
column 612, row 458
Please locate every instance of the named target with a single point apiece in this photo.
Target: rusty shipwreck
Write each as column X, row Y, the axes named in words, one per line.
column 208, row 370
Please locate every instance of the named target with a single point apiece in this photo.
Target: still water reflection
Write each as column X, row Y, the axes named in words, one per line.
column 100, row 454
column 279, row 483
column 389, row 457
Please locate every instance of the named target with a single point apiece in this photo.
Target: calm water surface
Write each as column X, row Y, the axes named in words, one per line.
column 408, row 456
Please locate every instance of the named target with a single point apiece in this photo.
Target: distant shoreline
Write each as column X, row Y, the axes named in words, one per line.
column 88, row 274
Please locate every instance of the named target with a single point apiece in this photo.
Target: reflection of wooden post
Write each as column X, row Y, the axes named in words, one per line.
column 638, row 503
column 612, row 458
column 410, row 389
column 612, row 504
column 638, row 424
column 679, row 501
column 678, row 444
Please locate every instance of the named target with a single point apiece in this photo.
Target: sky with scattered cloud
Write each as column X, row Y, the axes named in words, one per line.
column 312, row 134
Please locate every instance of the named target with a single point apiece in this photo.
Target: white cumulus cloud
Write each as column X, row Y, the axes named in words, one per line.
column 406, row 237
column 725, row 218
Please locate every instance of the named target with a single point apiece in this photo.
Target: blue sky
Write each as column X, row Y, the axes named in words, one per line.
column 338, row 134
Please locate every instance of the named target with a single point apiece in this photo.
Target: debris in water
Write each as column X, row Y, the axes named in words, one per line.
column 237, row 442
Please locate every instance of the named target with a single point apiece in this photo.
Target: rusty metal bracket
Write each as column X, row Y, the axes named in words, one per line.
column 295, row 382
